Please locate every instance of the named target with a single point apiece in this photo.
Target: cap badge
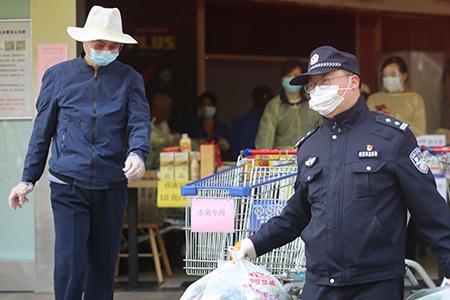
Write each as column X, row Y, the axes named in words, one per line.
column 314, row 59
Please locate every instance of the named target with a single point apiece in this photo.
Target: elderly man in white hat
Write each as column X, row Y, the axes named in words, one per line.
column 93, row 112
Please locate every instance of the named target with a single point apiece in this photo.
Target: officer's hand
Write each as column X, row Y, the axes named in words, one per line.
column 17, row 196
column 245, row 249
column 134, row 167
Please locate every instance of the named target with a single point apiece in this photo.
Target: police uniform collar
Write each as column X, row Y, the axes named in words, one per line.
column 349, row 117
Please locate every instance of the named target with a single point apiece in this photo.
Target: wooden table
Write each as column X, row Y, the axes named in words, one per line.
column 147, row 181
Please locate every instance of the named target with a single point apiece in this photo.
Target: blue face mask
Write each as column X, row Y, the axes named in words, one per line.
column 207, row 112
column 102, row 58
column 290, row 89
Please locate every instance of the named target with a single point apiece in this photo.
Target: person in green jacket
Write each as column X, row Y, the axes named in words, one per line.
column 287, row 117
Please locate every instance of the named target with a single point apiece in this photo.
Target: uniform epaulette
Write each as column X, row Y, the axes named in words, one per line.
column 300, row 142
column 392, row 122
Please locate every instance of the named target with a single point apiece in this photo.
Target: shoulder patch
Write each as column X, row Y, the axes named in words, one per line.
column 303, row 139
column 418, row 160
column 392, row 122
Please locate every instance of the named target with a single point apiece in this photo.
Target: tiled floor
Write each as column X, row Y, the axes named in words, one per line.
column 171, row 289
column 147, row 280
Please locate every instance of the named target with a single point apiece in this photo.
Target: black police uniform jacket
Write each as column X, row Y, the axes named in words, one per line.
column 358, row 174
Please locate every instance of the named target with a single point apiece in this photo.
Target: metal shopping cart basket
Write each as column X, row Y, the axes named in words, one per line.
column 438, row 159
column 260, row 185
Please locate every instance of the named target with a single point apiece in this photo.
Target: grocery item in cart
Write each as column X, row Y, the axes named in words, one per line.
column 240, row 280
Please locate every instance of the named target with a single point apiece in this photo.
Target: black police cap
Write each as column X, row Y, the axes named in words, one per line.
column 327, row 59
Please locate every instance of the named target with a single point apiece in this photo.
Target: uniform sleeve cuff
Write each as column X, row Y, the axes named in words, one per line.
column 255, row 240
column 28, row 180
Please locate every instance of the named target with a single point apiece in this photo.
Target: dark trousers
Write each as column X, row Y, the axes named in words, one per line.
column 88, row 226
column 392, row 289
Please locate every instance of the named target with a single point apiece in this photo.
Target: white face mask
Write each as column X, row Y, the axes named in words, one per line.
column 392, row 84
column 325, row 99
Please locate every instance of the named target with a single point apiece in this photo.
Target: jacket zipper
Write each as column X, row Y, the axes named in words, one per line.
column 63, row 146
column 341, row 209
column 341, row 230
column 94, row 127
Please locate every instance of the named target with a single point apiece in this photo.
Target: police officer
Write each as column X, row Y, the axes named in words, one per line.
column 93, row 112
column 358, row 173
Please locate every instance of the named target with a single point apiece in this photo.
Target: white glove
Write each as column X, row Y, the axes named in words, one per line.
column 245, row 249
column 18, row 195
column 134, row 167
column 445, row 282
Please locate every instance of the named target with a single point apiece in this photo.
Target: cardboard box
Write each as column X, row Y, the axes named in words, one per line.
column 207, row 160
column 181, row 160
column 166, row 166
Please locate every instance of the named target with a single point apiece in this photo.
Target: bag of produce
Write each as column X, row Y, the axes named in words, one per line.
column 236, row 280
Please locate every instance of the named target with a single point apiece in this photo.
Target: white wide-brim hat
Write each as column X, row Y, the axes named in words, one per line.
column 101, row 24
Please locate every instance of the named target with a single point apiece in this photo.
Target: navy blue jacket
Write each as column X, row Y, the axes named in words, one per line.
column 358, row 174
column 93, row 121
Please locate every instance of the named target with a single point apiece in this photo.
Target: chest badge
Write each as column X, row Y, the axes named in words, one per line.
column 368, row 153
column 311, row 161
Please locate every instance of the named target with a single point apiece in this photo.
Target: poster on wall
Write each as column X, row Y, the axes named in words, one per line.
column 15, row 69
column 49, row 54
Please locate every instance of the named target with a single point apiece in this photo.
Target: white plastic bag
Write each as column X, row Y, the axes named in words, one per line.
column 439, row 293
column 236, row 281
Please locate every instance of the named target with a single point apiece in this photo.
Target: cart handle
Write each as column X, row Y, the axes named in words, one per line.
column 437, row 149
column 250, row 152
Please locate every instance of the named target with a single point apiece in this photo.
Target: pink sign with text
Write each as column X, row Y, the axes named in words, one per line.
column 212, row 215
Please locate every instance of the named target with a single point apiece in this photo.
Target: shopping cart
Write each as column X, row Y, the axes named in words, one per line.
column 438, row 159
column 260, row 185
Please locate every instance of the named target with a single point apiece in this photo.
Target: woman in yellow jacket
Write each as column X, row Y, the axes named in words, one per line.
column 396, row 100
column 287, row 117
column 404, row 105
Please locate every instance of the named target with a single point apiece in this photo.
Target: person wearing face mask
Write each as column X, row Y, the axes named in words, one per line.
column 358, row 173
column 208, row 127
column 93, row 113
column 396, row 100
column 286, row 117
